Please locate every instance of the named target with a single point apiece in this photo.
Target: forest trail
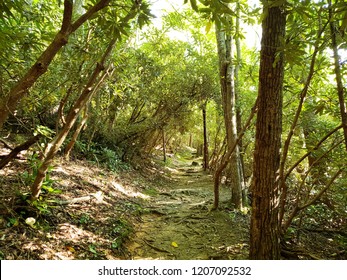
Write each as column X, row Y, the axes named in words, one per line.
column 179, row 225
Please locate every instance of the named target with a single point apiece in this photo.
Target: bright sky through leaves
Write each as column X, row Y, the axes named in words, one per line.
column 161, row 7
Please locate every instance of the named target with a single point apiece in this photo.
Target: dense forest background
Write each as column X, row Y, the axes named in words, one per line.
column 104, row 90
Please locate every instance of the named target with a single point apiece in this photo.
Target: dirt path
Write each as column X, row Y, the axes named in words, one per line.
column 179, row 225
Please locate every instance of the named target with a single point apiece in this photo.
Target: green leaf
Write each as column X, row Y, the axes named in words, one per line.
column 6, row 10
column 92, row 249
column 205, row 10
column 276, row 3
column 194, row 5
column 208, row 27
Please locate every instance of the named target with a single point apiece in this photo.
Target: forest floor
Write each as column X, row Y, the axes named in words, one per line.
column 160, row 211
column 156, row 211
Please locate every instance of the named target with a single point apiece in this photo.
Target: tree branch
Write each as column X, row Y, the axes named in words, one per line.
column 87, row 15
column 299, row 208
column 26, row 145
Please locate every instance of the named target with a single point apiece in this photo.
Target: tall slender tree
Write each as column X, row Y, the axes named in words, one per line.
column 226, row 71
column 265, row 231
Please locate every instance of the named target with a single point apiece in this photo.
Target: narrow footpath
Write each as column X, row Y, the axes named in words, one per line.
column 178, row 223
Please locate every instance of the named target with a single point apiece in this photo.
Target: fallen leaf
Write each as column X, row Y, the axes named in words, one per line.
column 30, row 221
column 71, row 249
column 174, row 244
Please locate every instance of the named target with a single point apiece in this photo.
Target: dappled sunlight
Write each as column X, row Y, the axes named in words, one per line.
column 7, row 172
column 128, row 191
column 90, row 175
column 172, row 170
column 69, row 232
column 60, row 169
column 169, row 202
column 70, row 241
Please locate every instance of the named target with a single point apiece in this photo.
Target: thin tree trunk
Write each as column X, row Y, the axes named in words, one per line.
column 238, row 110
column 22, row 147
column 53, row 147
column 264, row 231
column 226, row 68
column 60, row 118
column 225, row 159
column 41, row 65
column 338, row 75
column 76, row 133
column 218, row 146
column 206, row 157
column 164, row 144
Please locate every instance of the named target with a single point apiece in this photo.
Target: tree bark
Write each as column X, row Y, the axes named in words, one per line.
column 226, row 69
column 76, row 133
column 206, row 157
column 264, row 232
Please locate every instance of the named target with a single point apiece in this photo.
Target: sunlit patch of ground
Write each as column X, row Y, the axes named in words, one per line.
column 90, row 218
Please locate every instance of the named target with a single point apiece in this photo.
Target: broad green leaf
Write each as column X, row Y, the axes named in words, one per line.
column 208, row 27
column 194, row 5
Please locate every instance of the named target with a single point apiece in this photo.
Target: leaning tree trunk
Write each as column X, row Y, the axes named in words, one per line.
column 22, row 147
column 76, row 133
column 265, row 231
column 226, row 69
column 40, row 67
column 53, row 147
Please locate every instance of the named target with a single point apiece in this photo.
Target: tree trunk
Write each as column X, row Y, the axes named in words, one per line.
column 164, row 144
column 238, row 110
column 338, row 76
column 205, row 154
column 225, row 158
column 76, row 133
column 22, row 147
column 40, row 67
column 190, row 144
column 226, row 68
column 53, row 147
column 264, row 232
